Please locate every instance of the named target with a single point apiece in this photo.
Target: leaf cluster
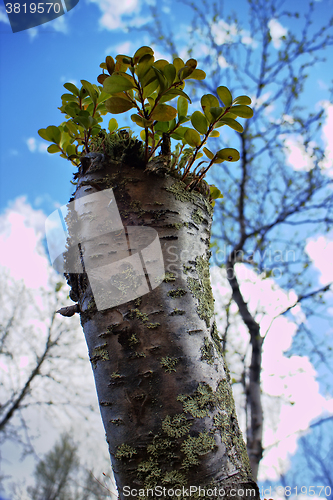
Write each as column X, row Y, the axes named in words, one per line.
column 141, row 84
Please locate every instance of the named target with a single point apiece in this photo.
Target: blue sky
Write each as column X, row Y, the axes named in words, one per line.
column 35, row 64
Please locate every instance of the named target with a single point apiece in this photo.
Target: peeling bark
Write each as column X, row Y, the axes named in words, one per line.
column 162, row 384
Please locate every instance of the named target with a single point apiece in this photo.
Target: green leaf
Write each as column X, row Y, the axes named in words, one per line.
column 161, row 127
column 242, row 99
column 197, row 74
column 209, row 101
column 43, row 134
column 72, row 88
column 170, row 73
column 150, row 88
column 171, row 94
column 69, row 97
column 163, row 83
column 101, row 78
column 149, row 77
column 113, row 125
column 228, row 154
column 144, row 66
column 90, row 89
column 208, row 153
column 54, row 134
column 160, row 63
column 178, row 63
column 181, row 131
column 122, row 63
column 225, row 96
column 53, row 148
column 71, row 127
column 199, row 122
column 142, row 51
column 215, row 193
column 70, row 150
column 110, row 64
column 216, row 112
column 182, row 106
column 118, row 105
column 231, row 123
column 184, row 72
column 192, row 137
column 117, row 83
column 242, row 111
column 138, row 120
column 163, row 113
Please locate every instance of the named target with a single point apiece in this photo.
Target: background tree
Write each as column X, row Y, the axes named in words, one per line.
column 270, row 207
column 44, row 372
column 59, row 476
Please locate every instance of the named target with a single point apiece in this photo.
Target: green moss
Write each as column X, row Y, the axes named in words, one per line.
column 115, row 375
column 197, row 216
column 117, row 421
column 186, row 269
column 174, row 478
column 216, row 338
column 91, row 304
column 200, row 402
column 176, row 426
column 125, row 451
column 193, row 447
column 121, row 146
column 139, row 355
column 135, row 313
column 175, row 294
column 177, row 312
column 168, row 277
column 226, row 422
column 207, row 352
column 181, row 194
column 100, row 353
column 133, row 340
column 152, row 326
column 202, row 290
column 169, row 364
column 126, row 280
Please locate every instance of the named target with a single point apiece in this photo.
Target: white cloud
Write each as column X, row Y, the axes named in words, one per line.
column 3, row 16
column 31, row 143
column 114, row 10
column 224, row 32
column 124, row 48
column 21, row 232
column 277, row 31
column 296, row 154
column 327, row 137
column 222, row 62
column 32, row 32
column 36, row 146
column 300, row 157
column 59, row 24
column 259, row 101
column 320, row 251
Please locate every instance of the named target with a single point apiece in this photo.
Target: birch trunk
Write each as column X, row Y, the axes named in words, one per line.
column 162, row 384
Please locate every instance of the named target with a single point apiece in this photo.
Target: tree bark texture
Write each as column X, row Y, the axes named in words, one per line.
column 163, row 387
